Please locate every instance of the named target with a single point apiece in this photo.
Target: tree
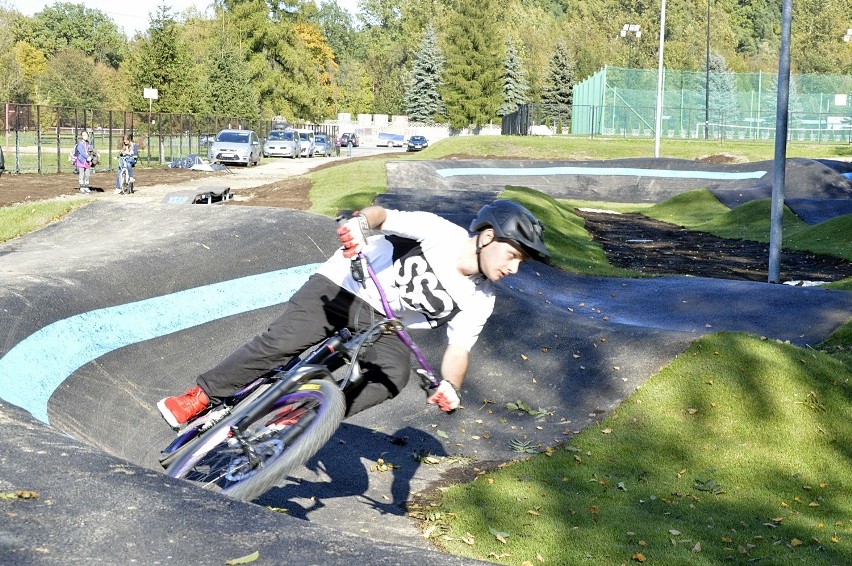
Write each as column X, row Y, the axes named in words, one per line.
column 356, row 88
column 384, row 53
column 515, row 85
column 73, row 25
column 723, row 88
column 162, row 61
column 229, row 91
column 70, row 80
column 471, row 88
column 32, row 64
column 422, row 101
column 339, row 29
column 557, row 92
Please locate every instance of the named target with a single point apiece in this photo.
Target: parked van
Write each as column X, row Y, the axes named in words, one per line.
column 390, row 140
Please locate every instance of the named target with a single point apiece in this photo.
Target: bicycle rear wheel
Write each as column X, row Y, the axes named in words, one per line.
column 293, row 430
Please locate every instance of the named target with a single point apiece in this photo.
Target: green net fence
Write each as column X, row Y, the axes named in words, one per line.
column 623, row 102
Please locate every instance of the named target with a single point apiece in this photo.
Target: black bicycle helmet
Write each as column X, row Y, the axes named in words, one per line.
column 513, row 223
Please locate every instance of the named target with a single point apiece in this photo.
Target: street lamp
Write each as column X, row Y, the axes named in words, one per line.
column 628, row 32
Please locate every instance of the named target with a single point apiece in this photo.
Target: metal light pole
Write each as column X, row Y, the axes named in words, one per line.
column 707, row 79
column 780, row 162
column 659, row 124
column 628, row 32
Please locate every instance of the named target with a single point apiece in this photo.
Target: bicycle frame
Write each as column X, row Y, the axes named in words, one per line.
column 301, row 369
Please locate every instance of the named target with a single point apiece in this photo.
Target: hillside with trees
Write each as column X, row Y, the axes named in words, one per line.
column 462, row 62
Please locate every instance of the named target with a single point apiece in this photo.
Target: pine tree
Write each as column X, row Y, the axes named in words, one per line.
column 723, row 88
column 162, row 61
column 557, row 92
column 423, row 101
column 471, row 88
column 229, row 85
column 515, row 84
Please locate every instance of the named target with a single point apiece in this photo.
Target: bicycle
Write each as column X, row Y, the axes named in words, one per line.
column 245, row 445
column 125, row 181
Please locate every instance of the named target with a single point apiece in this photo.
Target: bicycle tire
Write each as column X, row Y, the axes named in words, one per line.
column 293, row 430
column 125, row 181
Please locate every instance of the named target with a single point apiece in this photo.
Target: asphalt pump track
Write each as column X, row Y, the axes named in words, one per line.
column 120, row 304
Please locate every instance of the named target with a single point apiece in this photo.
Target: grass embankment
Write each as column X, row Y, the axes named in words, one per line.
column 25, row 218
column 737, row 451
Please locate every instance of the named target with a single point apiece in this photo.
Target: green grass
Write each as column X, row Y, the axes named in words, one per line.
column 737, row 451
column 534, row 147
column 25, row 218
column 570, row 246
column 699, row 210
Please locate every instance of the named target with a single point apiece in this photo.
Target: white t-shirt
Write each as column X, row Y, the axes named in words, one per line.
column 415, row 260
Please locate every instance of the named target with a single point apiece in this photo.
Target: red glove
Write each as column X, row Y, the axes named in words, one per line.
column 446, row 396
column 353, row 235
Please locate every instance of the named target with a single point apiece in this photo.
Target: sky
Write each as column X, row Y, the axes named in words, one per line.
column 132, row 15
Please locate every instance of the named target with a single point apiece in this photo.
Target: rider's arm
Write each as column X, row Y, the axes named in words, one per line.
column 454, row 365
column 375, row 216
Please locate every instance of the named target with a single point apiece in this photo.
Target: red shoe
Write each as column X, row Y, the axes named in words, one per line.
column 182, row 408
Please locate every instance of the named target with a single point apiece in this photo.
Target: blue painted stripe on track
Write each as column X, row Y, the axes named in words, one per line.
column 598, row 171
column 32, row 370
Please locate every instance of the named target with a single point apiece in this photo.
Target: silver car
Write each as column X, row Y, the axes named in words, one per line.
column 282, row 143
column 235, row 146
column 322, row 145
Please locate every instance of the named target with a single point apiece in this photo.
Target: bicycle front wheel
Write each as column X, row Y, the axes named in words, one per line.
column 279, row 441
column 124, row 184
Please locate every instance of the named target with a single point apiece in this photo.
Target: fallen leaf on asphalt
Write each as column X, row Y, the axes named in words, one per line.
column 20, row 494
column 245, row 559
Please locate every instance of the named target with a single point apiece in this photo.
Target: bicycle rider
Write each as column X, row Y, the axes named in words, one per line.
column 126, row 158
column 433, row 272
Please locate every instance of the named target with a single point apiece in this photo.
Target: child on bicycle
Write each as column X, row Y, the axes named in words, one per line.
column 127, row 157
column 433, row 272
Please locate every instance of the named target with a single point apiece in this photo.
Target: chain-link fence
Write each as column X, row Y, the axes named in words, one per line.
column 696, row 105
column 38, row 139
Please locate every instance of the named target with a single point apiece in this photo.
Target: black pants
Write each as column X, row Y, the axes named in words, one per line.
column 312, row 314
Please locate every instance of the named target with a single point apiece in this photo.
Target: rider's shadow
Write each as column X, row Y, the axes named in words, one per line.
column 347, row 466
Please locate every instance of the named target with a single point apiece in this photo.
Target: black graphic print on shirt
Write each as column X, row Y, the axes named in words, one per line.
column 419, row 286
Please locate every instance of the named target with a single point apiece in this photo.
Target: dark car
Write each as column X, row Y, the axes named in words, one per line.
column 416, row 143
column 344, row 139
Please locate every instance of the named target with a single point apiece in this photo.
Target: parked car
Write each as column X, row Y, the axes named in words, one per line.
column 344, row 139
column 323, row 145
column 416, row 143
column 306, row 138
column 282, row 143
column 390, row 140
column 235, row 146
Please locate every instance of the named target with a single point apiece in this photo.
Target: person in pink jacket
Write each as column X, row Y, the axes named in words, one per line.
column 83, row 155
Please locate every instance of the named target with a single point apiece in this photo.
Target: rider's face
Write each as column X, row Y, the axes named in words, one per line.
column 499, row 259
